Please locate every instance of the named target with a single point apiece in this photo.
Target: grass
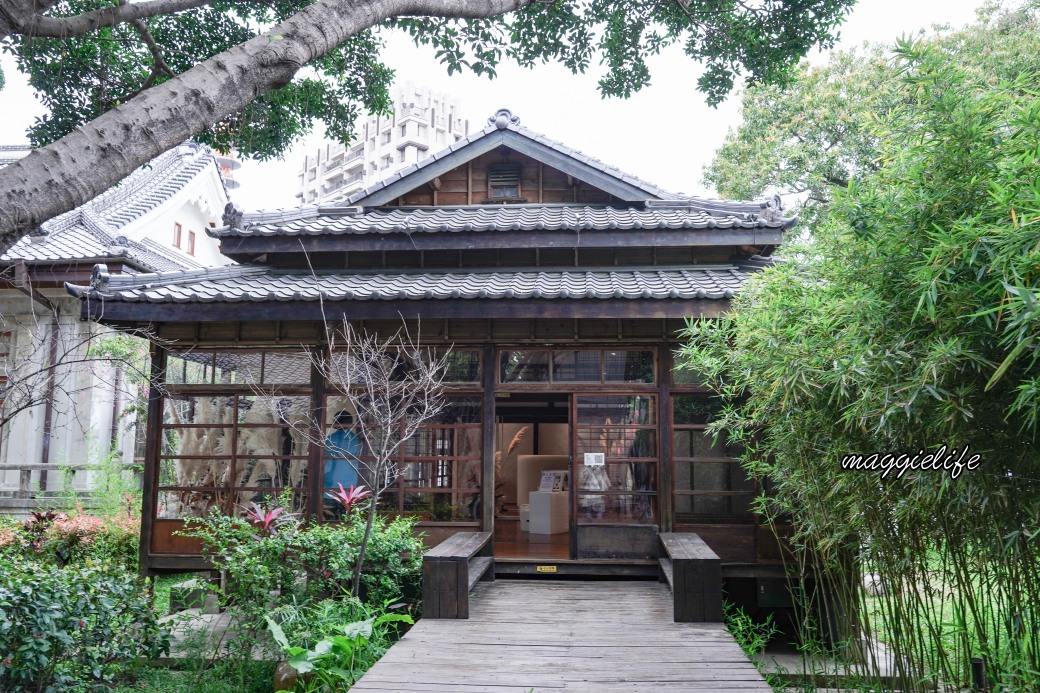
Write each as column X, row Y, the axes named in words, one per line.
column 194, row 674
column 201, row 676
column 161, row 591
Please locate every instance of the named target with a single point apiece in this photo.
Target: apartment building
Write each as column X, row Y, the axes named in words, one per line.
column 422, row 122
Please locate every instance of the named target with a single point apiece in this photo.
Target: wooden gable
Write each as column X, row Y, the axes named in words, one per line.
column 466, row 165
column 539, row 183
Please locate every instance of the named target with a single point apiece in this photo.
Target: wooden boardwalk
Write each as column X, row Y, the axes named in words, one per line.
column 594, row 637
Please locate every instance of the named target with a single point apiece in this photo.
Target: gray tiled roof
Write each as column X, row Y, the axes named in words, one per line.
column 651, row 207
column 91, row 232
column 239, row 284
column 692, row 214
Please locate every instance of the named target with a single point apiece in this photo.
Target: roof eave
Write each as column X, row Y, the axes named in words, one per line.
column 250, row 246
column 124, row 313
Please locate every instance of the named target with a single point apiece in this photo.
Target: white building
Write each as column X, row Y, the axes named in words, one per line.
column 152, row 221
column 422, row 122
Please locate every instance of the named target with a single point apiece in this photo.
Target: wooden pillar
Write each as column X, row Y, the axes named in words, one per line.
column 315, row 468
column 153, row 445
column 664, row 451
column 487, row 477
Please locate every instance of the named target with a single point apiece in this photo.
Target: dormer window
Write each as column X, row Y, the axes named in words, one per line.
column 504, row 183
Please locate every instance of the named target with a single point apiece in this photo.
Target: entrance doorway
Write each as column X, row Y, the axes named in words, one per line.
column 616, row 453
column 532, row 436
column 576, row 475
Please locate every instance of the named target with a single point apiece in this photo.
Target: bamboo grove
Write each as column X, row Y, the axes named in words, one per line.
column 907, row 319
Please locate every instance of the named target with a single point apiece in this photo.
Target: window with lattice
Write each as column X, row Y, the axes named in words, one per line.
column 504, row 182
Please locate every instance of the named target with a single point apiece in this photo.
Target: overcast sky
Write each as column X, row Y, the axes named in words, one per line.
column 664, row 134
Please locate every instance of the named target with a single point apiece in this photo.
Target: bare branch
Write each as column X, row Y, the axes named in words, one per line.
column 395, row 387
column 25, row 373
column 159, row 66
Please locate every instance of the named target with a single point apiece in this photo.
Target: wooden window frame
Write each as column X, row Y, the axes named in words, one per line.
column 505, row 174
column 676, row 459
column 611, row 461
column 442, row 466
column 577, row 385
column 178, row 232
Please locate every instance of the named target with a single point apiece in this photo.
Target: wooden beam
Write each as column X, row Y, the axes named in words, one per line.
column 15, row 467
column 23, row 283
column 315, row 465
column 139, row 312
column 244, row 248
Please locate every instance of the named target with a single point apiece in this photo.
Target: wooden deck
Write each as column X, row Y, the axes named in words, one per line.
column 595, row 637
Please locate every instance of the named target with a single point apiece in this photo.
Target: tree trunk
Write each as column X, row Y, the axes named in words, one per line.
column 369, row 521
column 91, row 159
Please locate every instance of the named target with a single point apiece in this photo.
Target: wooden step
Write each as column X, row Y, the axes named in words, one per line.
column 666, row 570
column 477, row 567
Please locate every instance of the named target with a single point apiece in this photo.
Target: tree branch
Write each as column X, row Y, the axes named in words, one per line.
column 159, row 66
column 26, row 20
column 93, row 158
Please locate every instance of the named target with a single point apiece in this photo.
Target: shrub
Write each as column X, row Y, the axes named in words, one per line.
column 302, row 574
column 333, row 654
column 393, row 560
column 10, row 535
column 72, row 628
column 256, row 564
column 300, row 564
column 61, row 539
column 112, row 538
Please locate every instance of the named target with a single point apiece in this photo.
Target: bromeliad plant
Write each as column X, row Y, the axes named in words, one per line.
column 267, row 518
column 350, row 498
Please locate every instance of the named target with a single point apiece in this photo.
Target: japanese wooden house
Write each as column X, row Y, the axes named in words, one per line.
column 560, row 285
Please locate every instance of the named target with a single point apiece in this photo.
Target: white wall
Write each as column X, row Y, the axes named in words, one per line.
column 82, row 416
column 82, row 411
column 196, row 207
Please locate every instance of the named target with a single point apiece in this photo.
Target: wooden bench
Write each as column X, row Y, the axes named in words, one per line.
column 451, row 569
column 694, row 573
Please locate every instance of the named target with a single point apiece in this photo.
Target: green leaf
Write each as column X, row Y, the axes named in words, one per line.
column 301, row 662
column 394, row 618
column 359, row 629
column 340, row 673
column 999, row 373
column 277, row 633
column 321, row 648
